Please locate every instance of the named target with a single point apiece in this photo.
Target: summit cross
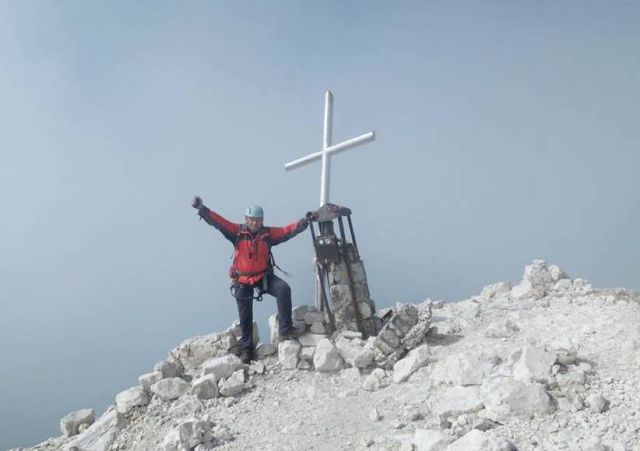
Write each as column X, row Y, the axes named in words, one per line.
column 328, row 150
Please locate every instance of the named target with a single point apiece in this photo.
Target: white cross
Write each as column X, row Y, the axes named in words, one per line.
column 328, row 149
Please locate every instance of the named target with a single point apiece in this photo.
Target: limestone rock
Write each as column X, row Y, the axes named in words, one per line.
column 318, row 328
column 101, row 434
column 351, row 334
column 536, row 281
column 503, row 328
column 505, row 398
column 574, row 376
column 311, row 339
column 130, row 398
column 168, row 369
column 265, row 349
column 496, row 290
column 70, row 424
column 232, row 385
column 597, row 403
column 455, row 401
column 170, row 388
column 192, row 353
column 313, row 316
column 298, row 312
column 376, row 380
column 257, row 367
column 223, row 366
column 187, row 406
column 188, row 435
column 415, row 359
column 288, row 352
column 476, row 440
column 148, row 379
column 466, row 368
column 306, row 353
column 205, row 387
column 354, row 352
column 274, row 328
column 534, row 364
column 327, row 357
column 557, row 273
column 431, row 439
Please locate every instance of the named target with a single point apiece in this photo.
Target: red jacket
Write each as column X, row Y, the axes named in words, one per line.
column 252, row 259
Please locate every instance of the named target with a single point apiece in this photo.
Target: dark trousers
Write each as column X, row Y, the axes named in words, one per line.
column 244, row 298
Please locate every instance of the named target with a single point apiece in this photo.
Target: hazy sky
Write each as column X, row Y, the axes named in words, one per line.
column 506, row 131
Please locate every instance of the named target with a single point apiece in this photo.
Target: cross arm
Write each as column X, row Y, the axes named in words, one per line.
column 337, row 148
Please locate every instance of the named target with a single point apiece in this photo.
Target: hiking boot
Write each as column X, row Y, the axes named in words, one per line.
column 247, row 356
column 291, row 334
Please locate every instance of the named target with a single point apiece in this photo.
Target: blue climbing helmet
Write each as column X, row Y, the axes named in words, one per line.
column 254, row 211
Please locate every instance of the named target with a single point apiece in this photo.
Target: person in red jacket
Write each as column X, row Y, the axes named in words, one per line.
column 252, row 267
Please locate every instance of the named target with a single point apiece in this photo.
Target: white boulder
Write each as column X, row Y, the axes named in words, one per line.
column 205, row 387
column 130, row 398
column 148, row 379
column 465, row 368
column 188, row 435
column 506, row 398
column 496, row 290
column 311, row 339
column 168, row 369
column 534, row 365
column 476, row 440
column 232, row 385
column 101, row 434
column 431, row 440
column 71, row 423
column 326, row 357
column 288, row 352
column 170, row 388
column 274, row 327
column 265, row 349
column 597, row 403
column 187, row 406
column 455, row 401
column 193, row 352
column 504, row 328
column 354, row 352
column 223, row 366
column 536, row 281
column 415, row 359
column 376, row 380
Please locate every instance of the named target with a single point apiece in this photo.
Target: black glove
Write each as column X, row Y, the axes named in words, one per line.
column 310, row 216
column 302, row 225
column 196, row 202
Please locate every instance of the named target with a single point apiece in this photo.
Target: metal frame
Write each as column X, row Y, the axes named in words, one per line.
column 344, row 255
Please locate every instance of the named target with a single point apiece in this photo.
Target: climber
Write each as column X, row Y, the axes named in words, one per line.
column 253, row 268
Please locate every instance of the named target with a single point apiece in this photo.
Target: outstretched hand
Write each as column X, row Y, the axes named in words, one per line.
column 196, row 202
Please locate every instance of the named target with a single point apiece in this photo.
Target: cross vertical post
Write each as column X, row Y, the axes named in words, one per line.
column 326, row 142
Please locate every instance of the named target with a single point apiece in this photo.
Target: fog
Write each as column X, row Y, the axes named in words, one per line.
column 504, row 132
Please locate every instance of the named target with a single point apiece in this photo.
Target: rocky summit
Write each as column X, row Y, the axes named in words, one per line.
column 547, row 363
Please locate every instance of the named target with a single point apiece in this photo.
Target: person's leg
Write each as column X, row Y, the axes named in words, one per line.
column 244, row 300
column 282, row 292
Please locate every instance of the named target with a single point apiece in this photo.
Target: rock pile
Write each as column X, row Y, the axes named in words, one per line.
column 548, row 363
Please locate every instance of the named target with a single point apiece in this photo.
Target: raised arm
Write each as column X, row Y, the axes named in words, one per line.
column 282, row 234
column 229, row 229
